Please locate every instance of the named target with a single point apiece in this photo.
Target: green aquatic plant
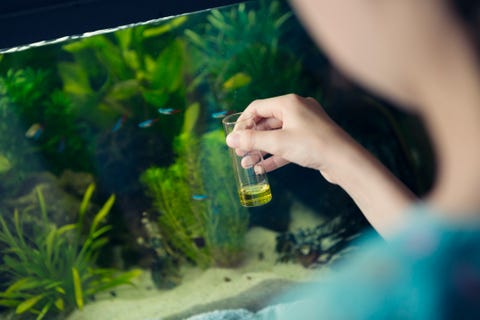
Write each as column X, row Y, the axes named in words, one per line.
column 129, row 73
column 51, row 269
column 251, row 52
column 36, row 118
column 227, row 221
column 199, row 215
column 181, row 219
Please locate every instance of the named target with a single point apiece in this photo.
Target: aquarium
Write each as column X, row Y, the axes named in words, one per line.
column 118, row 198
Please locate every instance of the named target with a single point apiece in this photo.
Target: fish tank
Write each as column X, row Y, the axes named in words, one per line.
column 118, row 199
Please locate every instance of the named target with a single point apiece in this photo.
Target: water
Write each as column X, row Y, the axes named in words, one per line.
column 114, row 166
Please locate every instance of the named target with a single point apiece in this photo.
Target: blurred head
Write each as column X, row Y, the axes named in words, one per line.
column 383, row 45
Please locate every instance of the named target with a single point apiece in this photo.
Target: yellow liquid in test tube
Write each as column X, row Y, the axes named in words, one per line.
column 255, row 195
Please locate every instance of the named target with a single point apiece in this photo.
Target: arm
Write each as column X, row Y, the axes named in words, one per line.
column 296, row 129
column 381, row 197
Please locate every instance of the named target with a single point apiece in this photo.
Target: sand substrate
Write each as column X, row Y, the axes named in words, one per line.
column 250, row 286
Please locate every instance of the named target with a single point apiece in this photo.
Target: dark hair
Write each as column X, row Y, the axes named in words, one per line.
column 468, row 12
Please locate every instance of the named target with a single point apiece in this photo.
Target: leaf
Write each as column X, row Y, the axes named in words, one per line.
column 101, row 231
column 9, row 303
column 168, row 70
column 110, row 56
column 157, row 98
column 59, row 304
column 195, row 38
column 166, row 27
column 102, row 213
column 132, row 59
column 18, row 228
column 23, row 283
column 41, row 202
column 60, row 290
column 50, row 242
column 191, row 117
column 124, row 90
column 65, row 228
column 29, row 303
column 77, row 286
column 75, row 78
column 124, row 37
column 44, row 311
column 123, row 278
column 85, row 202
column 238, row 80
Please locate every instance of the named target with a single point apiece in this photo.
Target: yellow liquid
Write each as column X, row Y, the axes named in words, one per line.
column 255, row 195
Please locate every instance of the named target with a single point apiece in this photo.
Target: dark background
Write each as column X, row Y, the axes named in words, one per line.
column 27, row 21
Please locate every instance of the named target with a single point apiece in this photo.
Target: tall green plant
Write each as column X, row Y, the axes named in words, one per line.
column 199, row 215
column 227, row 221
column 52, row 269
column 182, row 220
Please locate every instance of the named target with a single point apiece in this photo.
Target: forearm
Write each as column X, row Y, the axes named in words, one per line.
column 377, row 192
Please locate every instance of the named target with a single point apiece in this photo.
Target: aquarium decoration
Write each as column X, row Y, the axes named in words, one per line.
column 314, row 247
column 51, row 269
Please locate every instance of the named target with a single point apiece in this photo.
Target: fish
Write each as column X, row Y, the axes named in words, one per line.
column 119, row 123
column 168, row 111
column 5, row 164
column 220, row 114
column 199, row 197
column 147, row 123
column 35, row 131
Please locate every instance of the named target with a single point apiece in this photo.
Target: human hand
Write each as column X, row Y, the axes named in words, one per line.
column 292, row 129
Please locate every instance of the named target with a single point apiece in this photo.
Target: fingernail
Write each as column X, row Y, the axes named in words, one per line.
column 233, row 140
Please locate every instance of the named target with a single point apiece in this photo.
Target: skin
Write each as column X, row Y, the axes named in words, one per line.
column 414, row 53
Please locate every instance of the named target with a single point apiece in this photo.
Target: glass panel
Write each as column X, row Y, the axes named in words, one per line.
column 114, row 167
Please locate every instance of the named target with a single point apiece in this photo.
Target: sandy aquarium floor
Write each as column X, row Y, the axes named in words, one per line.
column 250, row 286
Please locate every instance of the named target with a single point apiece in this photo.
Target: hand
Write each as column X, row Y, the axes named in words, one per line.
column 292, row 129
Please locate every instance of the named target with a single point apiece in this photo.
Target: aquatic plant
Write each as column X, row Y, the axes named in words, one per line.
column 51, row 269
column 36, row 118
column 251, row 52
column 227, row 221
column 199, row 215
column 122, row 78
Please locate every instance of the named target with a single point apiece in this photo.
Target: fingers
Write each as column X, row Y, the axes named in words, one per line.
column 266, row 108
column 261, row 166
column 274, row 162
column 247, row 140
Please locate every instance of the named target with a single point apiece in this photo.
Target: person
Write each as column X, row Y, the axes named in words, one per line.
column 422, row 57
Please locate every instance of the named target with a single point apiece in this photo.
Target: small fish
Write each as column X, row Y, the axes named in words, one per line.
column 35, row 131
column 147, row 123
column 199, row 197
column 119, row 123
column 220, row 114
column 168, row 111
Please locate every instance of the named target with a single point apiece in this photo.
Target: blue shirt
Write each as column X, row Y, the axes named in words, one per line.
column 431, row 270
